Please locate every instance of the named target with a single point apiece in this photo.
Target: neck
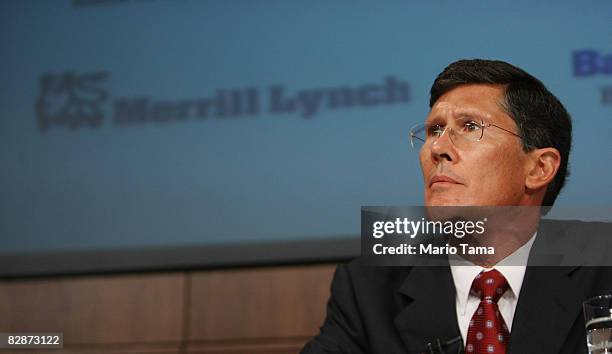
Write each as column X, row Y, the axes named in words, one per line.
column 508, row 229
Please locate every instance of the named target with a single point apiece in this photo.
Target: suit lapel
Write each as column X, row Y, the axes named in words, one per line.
column 551, row 296
column 547, row 309
column 430, row 311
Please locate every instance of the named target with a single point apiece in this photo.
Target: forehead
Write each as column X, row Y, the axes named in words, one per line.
column 480, row 100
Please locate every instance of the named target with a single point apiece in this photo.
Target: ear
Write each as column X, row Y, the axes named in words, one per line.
column 543, row 167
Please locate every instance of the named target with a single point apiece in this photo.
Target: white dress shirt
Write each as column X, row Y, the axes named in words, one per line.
column 464, row 273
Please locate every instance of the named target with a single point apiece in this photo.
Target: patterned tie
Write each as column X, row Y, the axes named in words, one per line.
column 488, row 332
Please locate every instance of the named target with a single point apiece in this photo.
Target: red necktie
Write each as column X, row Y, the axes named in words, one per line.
column 488, row 333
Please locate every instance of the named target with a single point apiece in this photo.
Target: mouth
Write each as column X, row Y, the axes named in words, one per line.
column 442, row 180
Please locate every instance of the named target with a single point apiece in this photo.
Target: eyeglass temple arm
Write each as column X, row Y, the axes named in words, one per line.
column 504, row 129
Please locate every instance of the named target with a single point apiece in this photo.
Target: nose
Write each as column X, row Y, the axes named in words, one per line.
column 443, row 147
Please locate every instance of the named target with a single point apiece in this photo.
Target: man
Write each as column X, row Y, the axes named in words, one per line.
column 495, row 136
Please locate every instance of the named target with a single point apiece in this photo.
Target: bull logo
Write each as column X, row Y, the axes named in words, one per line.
column 71, row 100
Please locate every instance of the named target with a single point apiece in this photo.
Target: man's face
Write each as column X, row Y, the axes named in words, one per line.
column 488, row 172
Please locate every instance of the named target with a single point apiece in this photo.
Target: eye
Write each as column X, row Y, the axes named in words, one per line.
column 434, row 130
column 471, row 126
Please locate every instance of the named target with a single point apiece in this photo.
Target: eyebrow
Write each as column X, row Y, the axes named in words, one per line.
column 461, row 112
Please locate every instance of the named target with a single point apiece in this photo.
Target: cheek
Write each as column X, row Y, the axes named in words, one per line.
column 503, row 174
column 426, row 164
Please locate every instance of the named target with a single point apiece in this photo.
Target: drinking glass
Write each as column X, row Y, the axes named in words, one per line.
column 598, row 319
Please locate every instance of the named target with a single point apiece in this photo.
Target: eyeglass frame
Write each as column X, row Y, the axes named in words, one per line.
column 483, row 125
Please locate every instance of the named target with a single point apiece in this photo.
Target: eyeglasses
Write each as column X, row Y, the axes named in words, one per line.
column 467, row 132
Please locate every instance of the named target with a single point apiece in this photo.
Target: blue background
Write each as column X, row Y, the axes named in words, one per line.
column 268, row 177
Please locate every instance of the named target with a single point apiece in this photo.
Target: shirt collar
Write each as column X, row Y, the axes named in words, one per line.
column 464, row 272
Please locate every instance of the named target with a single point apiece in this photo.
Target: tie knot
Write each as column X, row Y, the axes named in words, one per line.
column 489, row 286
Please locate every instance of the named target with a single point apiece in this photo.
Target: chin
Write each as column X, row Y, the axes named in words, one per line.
column 446, row 200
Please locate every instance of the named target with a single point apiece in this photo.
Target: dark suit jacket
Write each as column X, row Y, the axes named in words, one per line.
column 401, row 309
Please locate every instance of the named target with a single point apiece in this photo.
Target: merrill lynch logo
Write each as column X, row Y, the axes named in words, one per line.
column 72, row 100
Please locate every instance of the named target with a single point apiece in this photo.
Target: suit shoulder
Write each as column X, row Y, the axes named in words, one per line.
column 361, row 274
column 592, row 227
